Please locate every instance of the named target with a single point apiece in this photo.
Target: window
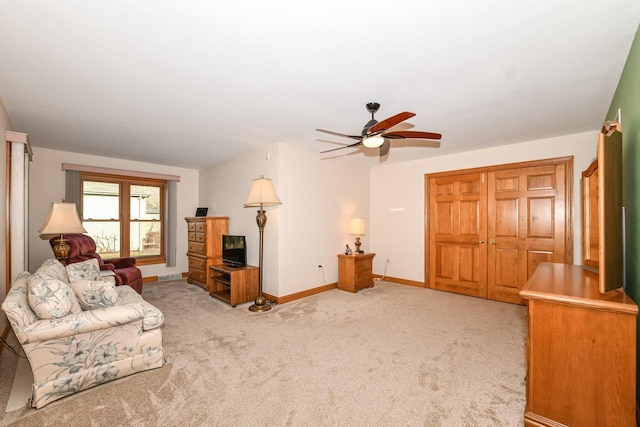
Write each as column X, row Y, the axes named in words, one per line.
column 125, row 216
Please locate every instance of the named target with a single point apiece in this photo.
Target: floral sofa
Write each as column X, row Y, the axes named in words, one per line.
column 79, row 331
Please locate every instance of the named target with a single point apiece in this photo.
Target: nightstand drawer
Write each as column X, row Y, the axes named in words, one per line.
column 363, row 280
column 363, row 266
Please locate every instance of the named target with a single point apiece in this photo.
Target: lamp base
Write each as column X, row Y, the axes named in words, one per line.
column 358, row 243
column 62, row 250
column 260, row 305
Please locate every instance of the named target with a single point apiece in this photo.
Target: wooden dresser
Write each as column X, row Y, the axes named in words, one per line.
column 355, row 271
column 581, row 350
column 204, row 247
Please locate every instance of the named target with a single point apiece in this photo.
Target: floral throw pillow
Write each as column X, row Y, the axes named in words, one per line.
column 95, row 293
column 89, row 269
column 53, row 269
column 49, row 298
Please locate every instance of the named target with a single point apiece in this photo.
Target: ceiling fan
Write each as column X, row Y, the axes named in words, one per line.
column 375, row 134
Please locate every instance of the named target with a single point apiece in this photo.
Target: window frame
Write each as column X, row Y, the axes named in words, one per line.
column 125, row 182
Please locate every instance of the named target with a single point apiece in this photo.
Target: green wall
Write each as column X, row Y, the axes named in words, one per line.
column 627, row 98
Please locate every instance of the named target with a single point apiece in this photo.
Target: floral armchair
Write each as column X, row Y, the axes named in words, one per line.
column 74, row 343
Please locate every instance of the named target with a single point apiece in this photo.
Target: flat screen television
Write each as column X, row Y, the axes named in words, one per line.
column 234, row 250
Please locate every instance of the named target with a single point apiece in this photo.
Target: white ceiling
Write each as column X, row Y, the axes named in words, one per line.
column 193, row 83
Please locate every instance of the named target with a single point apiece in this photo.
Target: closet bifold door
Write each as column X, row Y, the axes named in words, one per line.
column 458, row 231
column 526, row 212
column 488, row 228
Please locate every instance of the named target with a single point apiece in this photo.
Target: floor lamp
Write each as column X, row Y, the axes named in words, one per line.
column 261, row 194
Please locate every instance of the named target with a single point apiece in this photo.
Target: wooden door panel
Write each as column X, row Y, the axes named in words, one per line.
column 457, row 220
column 443, row 189
column 445, row 260
column 527, row 219
column 468, row 267
column 546, row 181
column 444, row 219
column 469, row 218
column 507, row 268
column 469, row 187
column 541, row 217
column 506, row 218
column 506, row 183
column 457, row 269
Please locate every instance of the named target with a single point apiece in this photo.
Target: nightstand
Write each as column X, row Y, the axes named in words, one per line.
column 355, row 271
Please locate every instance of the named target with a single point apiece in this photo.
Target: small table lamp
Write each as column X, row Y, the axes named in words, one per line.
column 63, row 219
column 357, row 228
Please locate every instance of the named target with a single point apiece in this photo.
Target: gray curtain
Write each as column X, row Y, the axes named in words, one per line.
column 172, row 222
column 73, row 190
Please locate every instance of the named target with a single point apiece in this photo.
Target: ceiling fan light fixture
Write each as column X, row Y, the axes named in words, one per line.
column 373, row 141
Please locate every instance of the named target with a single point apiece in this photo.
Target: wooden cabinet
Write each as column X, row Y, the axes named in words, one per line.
column 489, row 228
column 234, row 285
column 355, row 271
column 581, row 350
column 204, row 247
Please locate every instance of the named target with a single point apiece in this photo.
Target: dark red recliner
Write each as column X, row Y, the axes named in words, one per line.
column 83, row 248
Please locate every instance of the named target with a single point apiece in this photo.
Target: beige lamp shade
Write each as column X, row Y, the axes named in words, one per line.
column 62, row 219
column 262, row 193
column 356, row 226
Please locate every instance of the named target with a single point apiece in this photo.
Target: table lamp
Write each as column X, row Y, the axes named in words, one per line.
column 357, row 228
column 62, row 219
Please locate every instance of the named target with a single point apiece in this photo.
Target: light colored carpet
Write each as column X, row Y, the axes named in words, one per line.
column 21, row 388
column 387, row 356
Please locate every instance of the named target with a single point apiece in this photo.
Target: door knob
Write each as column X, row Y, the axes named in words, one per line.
column 480, row 241
column 493, row 242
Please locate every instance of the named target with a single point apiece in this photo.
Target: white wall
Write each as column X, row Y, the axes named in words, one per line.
column 397, row 197
column 321, row 197
column 224, row 189
column 310, row 228
column 47, row 185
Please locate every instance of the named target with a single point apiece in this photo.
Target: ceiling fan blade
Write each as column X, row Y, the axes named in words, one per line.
column 384, row 148
column 402, row 134
column 340, row 134
column 391, row 121
column 340, row 148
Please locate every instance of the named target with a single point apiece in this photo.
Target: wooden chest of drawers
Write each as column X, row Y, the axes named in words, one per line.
column 355, row 271
column 204, row 247
column 581, row 350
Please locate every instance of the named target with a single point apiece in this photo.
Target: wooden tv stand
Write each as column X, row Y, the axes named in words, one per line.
column 581, row 350
column 233, row 285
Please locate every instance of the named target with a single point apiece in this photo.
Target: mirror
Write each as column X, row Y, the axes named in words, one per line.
column 590, row 223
